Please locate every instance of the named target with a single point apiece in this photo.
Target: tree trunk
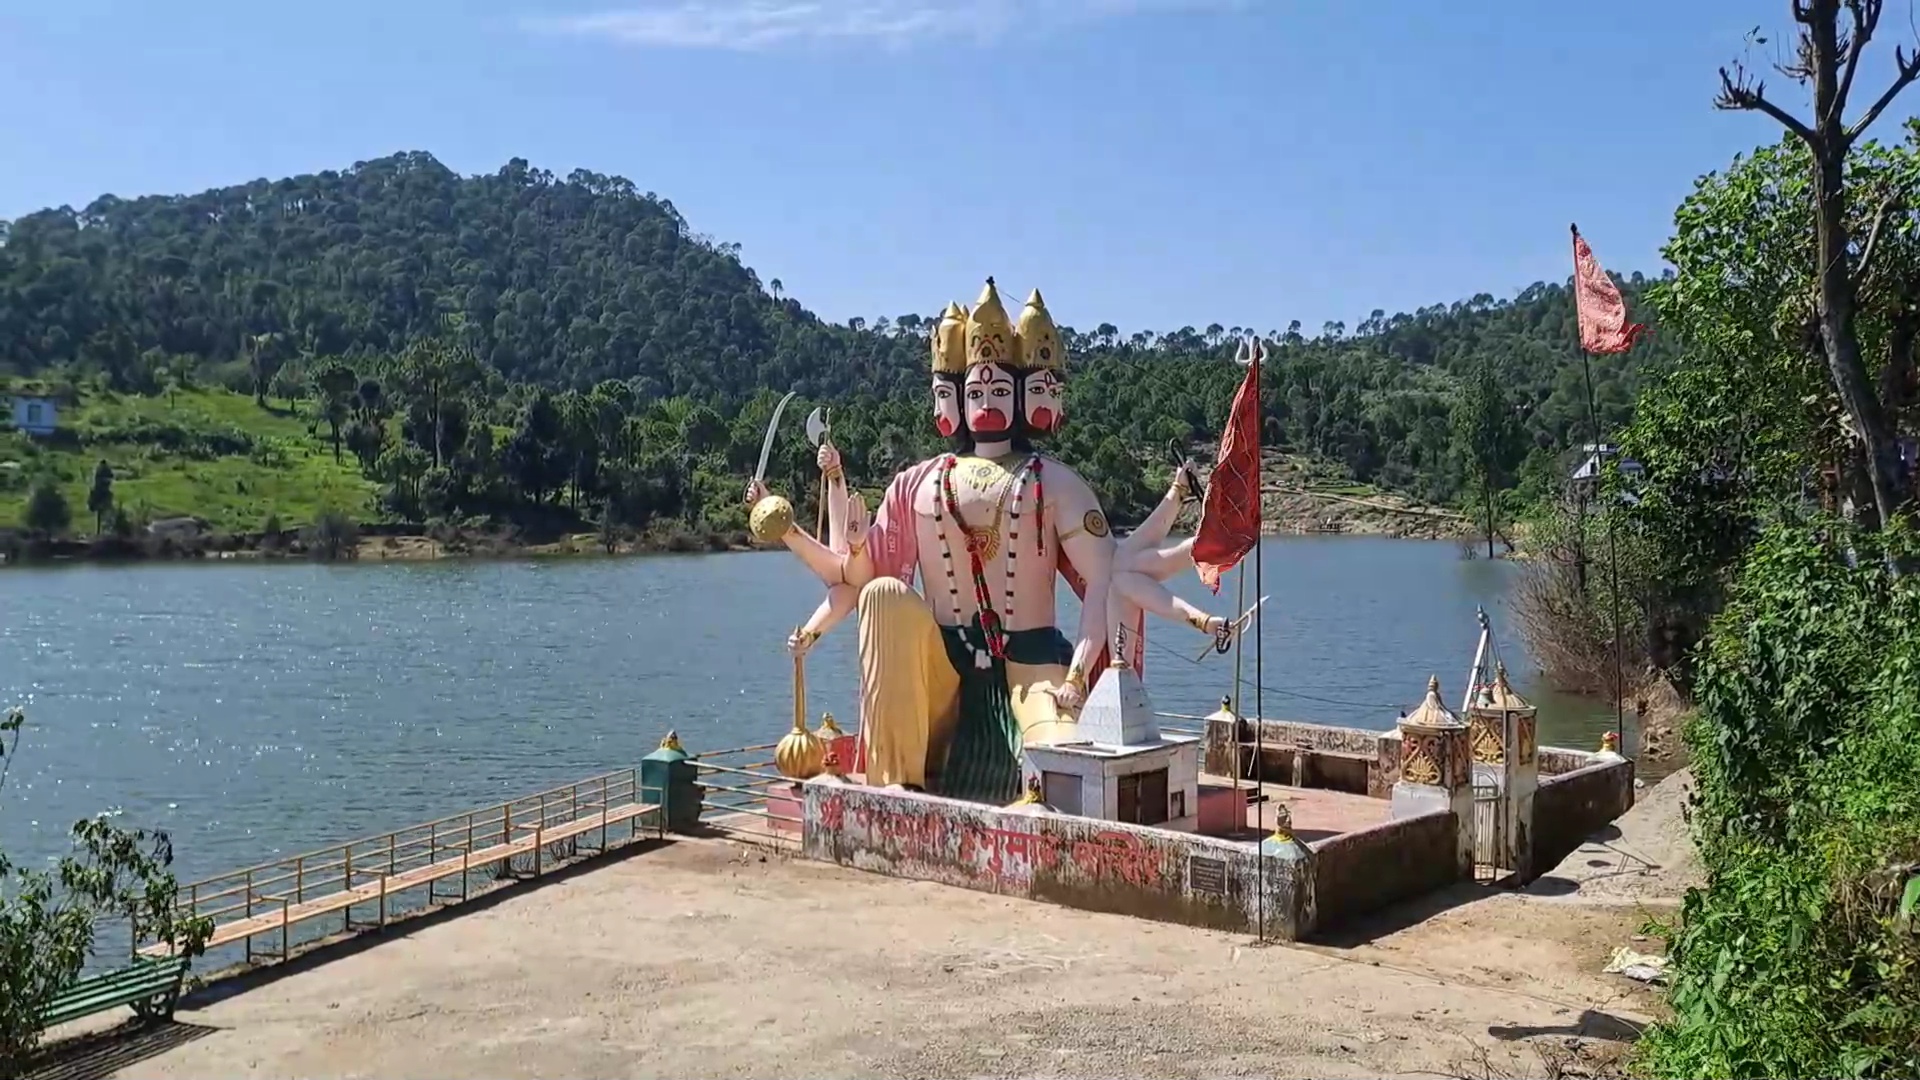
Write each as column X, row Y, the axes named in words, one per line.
column 1489, row 489
column 434, row 404
column 1839, row 338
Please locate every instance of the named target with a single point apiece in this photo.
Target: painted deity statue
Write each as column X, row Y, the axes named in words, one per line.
column 955, row 680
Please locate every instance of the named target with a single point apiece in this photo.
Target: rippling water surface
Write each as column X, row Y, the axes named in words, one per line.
column 257, row 710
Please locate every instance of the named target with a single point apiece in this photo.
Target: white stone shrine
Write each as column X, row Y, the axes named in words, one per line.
column 1120, row 766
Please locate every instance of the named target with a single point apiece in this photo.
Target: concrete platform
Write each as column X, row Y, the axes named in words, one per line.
column 1317, row 812
column 613, row 970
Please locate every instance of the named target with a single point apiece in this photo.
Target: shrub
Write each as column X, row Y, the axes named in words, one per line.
column 332, row 536
column 1800, row 957
column 47, row 917
column 203, row 443
column 1565, row 607
column 47, row 509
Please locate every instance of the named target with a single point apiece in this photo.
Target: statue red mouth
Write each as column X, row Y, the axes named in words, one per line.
column 990, row 420
column 946, row 425
column 1045, row 419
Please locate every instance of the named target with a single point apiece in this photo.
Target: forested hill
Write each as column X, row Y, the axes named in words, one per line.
column 569, row 282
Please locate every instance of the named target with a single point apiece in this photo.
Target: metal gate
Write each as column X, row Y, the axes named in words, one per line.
column 1490, row 827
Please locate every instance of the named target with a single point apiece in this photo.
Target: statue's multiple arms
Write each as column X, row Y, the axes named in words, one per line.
column 846, row 529
column 840, row 601
column 820, row 558
column 834, row 490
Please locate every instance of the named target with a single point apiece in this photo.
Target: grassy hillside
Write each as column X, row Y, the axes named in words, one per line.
column 208, row 453
column 524, row 348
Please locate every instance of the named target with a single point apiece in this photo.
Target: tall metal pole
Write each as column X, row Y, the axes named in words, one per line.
column 1627, row 745
column 1259, row 628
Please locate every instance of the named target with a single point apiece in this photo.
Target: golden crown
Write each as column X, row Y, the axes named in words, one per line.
column 990, row 338
column 1039, row 341
column 984, row 335
column 950, row 342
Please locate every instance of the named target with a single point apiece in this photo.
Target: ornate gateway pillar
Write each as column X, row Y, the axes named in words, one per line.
column 1435, row 770
column 1502, row 727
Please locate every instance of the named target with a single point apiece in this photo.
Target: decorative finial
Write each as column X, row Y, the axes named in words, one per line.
column 1031, row 796
column 1610, row 743
column 1501, row 694
column 672, row 742
column 1282, row 823
column 1431, row 712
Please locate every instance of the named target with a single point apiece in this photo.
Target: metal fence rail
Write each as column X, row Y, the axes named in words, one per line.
column 394, row 872
column 743, row 797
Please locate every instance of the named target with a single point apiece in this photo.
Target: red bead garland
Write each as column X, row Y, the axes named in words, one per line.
column 983, row 598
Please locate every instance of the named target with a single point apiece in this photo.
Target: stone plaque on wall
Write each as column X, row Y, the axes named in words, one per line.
column 1207, row 876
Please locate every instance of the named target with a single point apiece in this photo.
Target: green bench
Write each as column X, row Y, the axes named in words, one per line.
column 151, row 986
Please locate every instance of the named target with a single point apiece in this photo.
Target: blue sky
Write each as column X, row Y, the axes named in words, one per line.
column 1151, row 163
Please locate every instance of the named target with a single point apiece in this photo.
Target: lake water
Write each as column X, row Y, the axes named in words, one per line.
column 257, row 710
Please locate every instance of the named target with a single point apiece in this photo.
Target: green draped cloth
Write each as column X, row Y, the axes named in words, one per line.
column 983, row 763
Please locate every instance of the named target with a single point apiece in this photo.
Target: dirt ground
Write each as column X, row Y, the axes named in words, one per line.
column 710, row 958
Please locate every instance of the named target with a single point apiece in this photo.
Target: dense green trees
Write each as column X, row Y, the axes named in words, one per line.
column 1775, row 518
column 517, row 340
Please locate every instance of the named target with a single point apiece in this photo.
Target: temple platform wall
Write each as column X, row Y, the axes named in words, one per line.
column 1360, row 872
column 1337, row 758
column 1077, row 862
column 1199, row 880
column 1571, row 806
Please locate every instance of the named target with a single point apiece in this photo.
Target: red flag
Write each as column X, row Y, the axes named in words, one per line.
column 1603, row 314
column 1230, row 516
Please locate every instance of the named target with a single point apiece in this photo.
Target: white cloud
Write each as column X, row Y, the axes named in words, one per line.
column 763, row 24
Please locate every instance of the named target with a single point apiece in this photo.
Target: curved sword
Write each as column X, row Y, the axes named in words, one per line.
column 766, row 445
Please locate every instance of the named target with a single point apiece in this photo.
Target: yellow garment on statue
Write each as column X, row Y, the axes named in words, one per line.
column 911, row 688
column 909, row 691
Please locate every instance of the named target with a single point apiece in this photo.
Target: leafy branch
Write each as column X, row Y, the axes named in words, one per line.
column 1829, row 58
column 48, row 919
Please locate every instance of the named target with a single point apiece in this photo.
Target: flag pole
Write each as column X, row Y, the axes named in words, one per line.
column 1613, row 560
column 1259, row 627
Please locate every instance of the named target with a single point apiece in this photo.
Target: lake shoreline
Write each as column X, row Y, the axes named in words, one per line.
column 401, row 542
column 371, row 543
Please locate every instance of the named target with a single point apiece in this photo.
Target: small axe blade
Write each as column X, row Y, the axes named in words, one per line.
column 819, row 425
column 1232, row 630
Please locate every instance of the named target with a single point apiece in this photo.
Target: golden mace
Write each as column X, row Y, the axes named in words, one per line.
column 801, row 755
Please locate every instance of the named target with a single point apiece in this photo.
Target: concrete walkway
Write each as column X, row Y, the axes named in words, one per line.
column 704, row 958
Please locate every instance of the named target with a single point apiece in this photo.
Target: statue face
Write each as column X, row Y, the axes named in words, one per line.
column 989, row 401
column 946, row 407
column 1042, row 397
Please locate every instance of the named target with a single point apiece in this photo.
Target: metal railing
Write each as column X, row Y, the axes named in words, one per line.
column 413, row 867
column 745, row 797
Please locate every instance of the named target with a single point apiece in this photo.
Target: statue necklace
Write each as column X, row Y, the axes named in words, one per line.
column 981, row 545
